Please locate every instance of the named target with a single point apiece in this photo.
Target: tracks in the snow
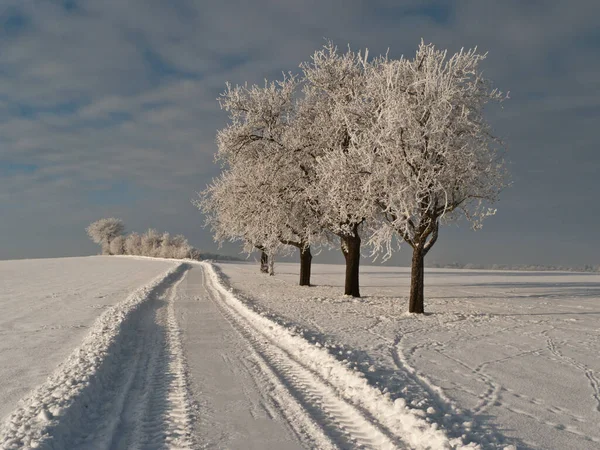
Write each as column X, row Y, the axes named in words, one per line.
column 345, row 424
column 156, row 411
column 148, row 405
column 123, row 387
column 588, row 372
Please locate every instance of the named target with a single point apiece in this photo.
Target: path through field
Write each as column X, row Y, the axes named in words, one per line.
column 253, row 393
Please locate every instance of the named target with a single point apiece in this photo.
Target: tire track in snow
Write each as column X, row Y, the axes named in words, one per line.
column 344, row 423
column 124, row 387
column 157, row 412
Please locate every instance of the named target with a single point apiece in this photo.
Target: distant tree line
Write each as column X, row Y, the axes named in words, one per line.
column 357, row 152
column 109, row 234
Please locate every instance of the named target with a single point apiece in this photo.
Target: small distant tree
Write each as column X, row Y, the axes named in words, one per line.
column 108, row 233
column 133, row 244
column 181, row 248
column 195, row 254
column 166, row 248
column 151, row 240
column 103, row 231
column 117, row 245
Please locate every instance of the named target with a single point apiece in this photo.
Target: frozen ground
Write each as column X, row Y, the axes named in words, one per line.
column 502, row 358
column 171, row 357
column 48, row 305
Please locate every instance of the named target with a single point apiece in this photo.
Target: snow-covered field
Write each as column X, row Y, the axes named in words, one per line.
column 502, row 358
column 124, row 352
column 47, row 307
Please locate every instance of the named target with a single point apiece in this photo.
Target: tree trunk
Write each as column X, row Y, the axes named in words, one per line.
column 417, row 279
column 351, row 251
column 264, row 262
column 305, row 266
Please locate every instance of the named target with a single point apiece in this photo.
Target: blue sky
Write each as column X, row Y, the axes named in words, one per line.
column 108, row 108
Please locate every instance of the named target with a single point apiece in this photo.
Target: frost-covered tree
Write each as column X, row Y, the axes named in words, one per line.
column 429, row 149
column 264, row 259
column 133, row 244
column 103, row 231
column 195, row 254
column 181, row 249
column 260, row 199
column 174, row 247
column 117, row 245
column 385, row 150
column 151, row 241
column 238, row 209
column 165, row 249
column 334, row 83
column 108, row 233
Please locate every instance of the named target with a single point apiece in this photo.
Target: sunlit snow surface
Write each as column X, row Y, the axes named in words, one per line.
column 501, row 358
column 47, row 307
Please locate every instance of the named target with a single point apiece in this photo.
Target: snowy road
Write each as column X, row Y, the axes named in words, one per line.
column 233, row 410
column 252, row 393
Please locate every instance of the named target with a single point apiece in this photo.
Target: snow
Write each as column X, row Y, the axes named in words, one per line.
column 308, row 363
column 56, row 413
column 180, row 354
column 502, row 358
column 47, row 307
column 241, row 402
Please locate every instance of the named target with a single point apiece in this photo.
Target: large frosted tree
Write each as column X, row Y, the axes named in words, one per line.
column 277, row 188
column 333, row 84
column 429, row 149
